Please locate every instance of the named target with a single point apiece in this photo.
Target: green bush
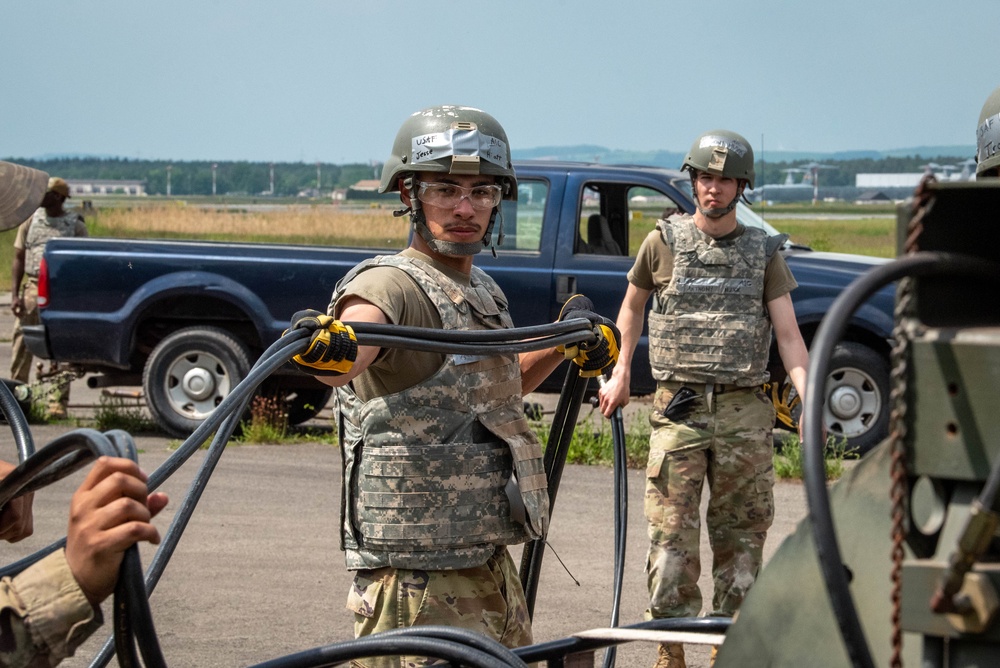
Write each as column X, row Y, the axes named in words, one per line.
column 122, row 413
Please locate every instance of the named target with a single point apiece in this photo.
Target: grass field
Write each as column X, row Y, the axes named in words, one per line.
column 329, row 225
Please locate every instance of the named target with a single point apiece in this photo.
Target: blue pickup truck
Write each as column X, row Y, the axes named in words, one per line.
column 185, row 319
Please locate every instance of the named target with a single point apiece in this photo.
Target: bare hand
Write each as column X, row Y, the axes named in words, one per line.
column 109, row 513
column 615, row 393
column 16, row 306
column 16, row 519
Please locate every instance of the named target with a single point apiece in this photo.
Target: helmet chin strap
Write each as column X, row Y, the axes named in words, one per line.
column 449, row 248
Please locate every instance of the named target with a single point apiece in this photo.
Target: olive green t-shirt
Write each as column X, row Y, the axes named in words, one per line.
column 405, row 303
column 654, row 267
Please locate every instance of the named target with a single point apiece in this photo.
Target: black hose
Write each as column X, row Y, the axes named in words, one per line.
column 621, row 519
column 554, row 461
column 133, row 622
column 830, row 331
column 234, row 405
column 23, row 441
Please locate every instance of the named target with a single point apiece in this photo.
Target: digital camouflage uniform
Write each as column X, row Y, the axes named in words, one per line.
column 32, row 237
column 709, row 329
column 44, row 615
column 429, row 504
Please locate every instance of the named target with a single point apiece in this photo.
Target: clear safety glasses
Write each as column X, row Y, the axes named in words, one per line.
column 448, row 195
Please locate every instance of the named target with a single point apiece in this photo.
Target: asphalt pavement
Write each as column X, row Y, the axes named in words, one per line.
column 258, row 573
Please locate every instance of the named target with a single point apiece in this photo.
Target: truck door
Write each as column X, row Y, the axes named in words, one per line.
column 611, row 216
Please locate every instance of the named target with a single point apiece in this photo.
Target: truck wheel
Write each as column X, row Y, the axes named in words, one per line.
column 189, row 373
column 857, row 397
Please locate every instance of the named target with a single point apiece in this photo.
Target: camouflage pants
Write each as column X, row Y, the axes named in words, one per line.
column 488, row 599
column 731, row 448
column 20, row 356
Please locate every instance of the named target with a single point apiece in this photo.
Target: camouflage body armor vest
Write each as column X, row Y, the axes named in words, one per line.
column 42, row 228
column 709, row 324
column 428, row 470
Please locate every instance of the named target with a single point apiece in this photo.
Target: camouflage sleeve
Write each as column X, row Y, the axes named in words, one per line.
column 44, row 613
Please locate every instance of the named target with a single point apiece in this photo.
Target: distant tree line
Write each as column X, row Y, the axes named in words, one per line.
column 292, row 178
column 195, row 177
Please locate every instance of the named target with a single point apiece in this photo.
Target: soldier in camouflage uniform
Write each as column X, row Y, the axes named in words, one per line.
column 441, row 469
column 48, row 222
column 718, row 290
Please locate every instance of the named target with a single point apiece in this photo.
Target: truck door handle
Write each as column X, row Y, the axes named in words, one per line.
column 565, row 288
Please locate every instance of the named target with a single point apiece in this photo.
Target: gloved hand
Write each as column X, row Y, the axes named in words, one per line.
column 333, row 346
column 595, row 357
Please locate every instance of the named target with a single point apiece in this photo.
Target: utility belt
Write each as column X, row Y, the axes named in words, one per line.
column 706, row 390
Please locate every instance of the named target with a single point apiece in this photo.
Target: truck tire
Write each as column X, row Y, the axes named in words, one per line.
column 189, row 373
column 856, row 405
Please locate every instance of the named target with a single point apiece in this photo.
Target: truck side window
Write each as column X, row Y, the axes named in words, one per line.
column 522, row 220
column 601, row 231
column 645, row 207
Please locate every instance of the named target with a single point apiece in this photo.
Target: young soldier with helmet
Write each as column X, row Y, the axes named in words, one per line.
column 719, row 289
column 434, row 551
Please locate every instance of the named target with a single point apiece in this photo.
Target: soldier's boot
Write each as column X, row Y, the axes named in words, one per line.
column 670, row 655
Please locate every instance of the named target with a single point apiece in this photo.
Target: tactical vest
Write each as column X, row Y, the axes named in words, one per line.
column 42, row 228
column 710, row 324
column 427, row 471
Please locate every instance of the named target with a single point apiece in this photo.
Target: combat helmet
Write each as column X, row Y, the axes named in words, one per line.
column 724, row 153
column 988, row 135
column 450, row 139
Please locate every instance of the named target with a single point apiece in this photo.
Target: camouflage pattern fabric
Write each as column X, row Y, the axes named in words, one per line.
column 44, row 227
column 486, row 598
column 427, row 468
column 709, row 324
column 731, row 449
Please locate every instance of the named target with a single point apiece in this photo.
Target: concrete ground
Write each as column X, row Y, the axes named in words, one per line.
column 258, row 573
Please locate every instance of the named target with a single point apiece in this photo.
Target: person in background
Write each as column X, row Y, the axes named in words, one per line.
column 48, row 221
column 52, row 606
column 719, row 289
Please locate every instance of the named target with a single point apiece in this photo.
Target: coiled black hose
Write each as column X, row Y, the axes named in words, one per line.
column 830, row 331
column 131, row 623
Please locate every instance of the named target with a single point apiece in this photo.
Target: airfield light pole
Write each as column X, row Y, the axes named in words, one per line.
column 215, row 166
column 272, row 180
column 318, row 163
column 169, row 168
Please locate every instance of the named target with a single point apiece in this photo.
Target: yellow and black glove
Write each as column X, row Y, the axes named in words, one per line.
column 333, row 347
column 595, row 357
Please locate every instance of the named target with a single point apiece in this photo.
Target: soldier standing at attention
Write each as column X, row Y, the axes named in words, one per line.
column 718, row 290
column 49, row 221
column 441, row 469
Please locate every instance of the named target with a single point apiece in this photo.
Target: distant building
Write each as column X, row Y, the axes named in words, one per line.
column 106, row 187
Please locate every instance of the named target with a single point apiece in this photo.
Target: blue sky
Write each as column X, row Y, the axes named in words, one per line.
column 332, row 80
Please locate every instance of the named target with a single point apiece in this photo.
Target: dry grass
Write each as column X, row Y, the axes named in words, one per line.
column 295, row 224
